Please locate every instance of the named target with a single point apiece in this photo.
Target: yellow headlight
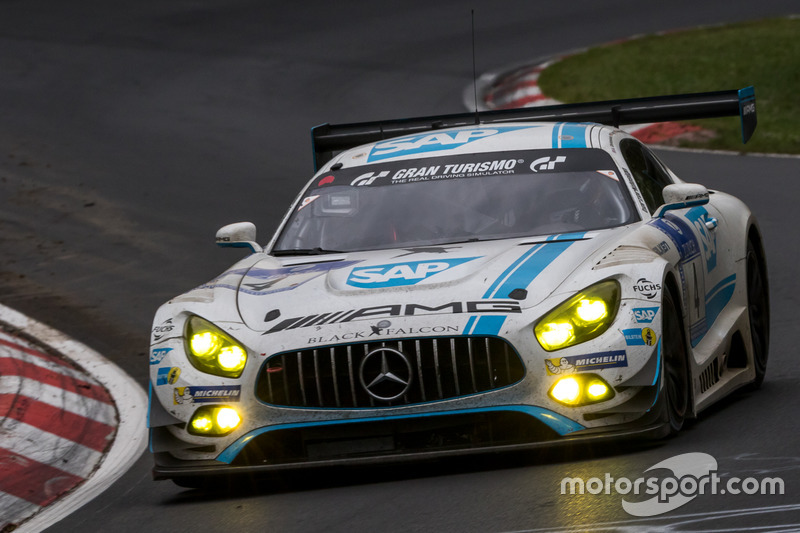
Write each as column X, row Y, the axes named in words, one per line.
column 581, row 318
column 228, row 418
column 213, row 351
column 581, row 389
column 202, row 424
column 214, row 421
column 591, row 310
column 567, row 390
column 205, row 343
column 597, row 390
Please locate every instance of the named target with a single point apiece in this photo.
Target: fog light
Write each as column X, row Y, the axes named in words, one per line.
column 228, row 418
column 214, row 421
column 581, row 389
column 567, row 390
column 597, row 390
column 202, row 424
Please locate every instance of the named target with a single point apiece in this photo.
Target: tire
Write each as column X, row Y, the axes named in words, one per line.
column 758, row 311
column 676, row 390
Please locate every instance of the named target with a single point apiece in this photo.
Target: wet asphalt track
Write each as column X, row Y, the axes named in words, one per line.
column 130, row 131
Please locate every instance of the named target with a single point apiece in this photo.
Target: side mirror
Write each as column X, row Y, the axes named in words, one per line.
column 239, row 235
column 682, row 195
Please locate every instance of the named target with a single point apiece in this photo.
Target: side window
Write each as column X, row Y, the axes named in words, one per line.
column 649, row 174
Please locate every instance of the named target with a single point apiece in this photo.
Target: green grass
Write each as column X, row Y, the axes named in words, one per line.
column 765, row 54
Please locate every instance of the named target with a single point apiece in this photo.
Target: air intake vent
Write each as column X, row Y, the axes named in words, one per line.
column 710, row 376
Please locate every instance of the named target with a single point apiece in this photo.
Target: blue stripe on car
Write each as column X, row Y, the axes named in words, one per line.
column 573, row 136
column 567, row 135
column 519, row 275
column 716, row 300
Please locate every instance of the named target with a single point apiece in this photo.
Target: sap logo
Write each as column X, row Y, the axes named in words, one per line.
column 368, row 178
column 546, row 163
column 697, row 216
column 431, row 142
column 158, row 354
column 644, row 315
column 400, row 274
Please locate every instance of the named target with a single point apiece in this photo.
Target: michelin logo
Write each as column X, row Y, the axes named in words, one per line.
column 400, row 274
column 188, row 395
column 585, row 363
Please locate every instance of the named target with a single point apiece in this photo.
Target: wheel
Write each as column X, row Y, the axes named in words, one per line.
column 675, row 364
column 758, row 311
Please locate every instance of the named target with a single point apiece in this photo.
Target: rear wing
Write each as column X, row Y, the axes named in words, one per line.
column 328, row 140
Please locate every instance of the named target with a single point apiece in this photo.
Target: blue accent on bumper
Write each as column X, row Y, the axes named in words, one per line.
column 488, row 325
column 560, row 424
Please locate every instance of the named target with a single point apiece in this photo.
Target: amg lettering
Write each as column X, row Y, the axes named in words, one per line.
column 455, row 308
column 489, row 306
column 383, row 310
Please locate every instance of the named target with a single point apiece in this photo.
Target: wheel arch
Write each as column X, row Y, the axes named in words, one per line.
column 672, row 285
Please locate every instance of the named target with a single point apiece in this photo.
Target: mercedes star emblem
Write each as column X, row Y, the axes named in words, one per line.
column 385, row 374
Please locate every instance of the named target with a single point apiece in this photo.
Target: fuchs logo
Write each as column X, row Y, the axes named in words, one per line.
column 547, row 163
column 647, row 288
column 432, row 142
column 644, row 315
column 160, row 331
column 399, row 274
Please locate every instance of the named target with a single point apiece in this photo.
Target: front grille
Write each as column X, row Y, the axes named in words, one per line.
column 343, row 376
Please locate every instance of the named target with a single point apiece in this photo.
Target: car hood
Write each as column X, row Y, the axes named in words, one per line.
column 322, row 289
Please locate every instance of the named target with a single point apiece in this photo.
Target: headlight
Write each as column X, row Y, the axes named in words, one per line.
column 581, row 318
column 214, row 421
column 213, row 351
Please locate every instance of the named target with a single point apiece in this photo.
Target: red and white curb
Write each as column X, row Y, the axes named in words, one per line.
column 516, row 87
column 519, row 87
column 71, row 423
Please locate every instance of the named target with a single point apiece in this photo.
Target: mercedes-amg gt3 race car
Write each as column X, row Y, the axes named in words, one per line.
column 452, row 285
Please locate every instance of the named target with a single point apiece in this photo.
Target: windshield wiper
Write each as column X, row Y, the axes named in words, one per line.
column 305, row 251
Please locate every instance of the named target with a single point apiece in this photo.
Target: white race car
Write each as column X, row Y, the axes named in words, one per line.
column 447, row 285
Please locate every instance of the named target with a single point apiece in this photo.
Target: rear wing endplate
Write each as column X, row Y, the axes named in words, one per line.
column 328, row 140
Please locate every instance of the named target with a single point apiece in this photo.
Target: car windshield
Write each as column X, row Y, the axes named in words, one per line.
column 458, row 198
